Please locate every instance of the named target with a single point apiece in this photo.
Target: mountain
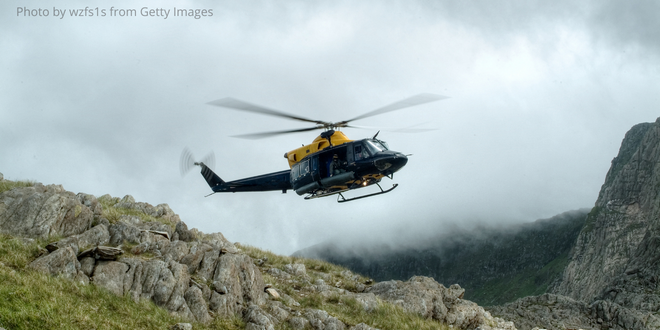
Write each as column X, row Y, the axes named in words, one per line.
column 611, row 279
column 76, row 261
column 495, row 264
column 624, row 223
column 601, row 271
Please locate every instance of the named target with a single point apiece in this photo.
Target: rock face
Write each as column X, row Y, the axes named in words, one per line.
column 611, row 281
column 154, row 256
column 620, row 238
column 43, row 211
column 426, row 297
column 555, row 312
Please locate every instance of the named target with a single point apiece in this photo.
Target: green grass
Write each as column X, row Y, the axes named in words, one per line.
column 6, row 185
column 386, row 316
column 529, row 283
column 113, row 213
column 31, row 300
column 313, row 266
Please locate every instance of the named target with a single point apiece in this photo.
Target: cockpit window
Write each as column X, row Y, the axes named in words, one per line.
column 383, row 144
column 375, row 146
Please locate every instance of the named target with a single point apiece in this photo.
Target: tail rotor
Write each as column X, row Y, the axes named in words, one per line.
column 187, row 161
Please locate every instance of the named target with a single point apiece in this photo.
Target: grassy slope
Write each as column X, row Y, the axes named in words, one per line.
column 31, row 300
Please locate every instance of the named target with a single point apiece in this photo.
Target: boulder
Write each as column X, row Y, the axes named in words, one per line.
column 124, row 231
column 87, row 265
column 195, row 256
column 197, row 304
column 256, row 319
column 298, row 323
column 102, row 253
column 97, row 235
column 278, row 310
column 110, row 275
column 237, row 283
column 176, row 251
column 42, row 211
column 183, row 233
column 320, row 319
column 295, row 269
column 430, row 299
column 62, row 262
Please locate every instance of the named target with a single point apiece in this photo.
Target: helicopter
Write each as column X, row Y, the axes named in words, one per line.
column 331, row 165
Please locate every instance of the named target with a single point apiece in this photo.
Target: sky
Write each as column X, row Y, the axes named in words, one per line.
column 540, row 96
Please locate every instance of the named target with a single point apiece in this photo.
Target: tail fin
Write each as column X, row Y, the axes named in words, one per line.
column 211, row 178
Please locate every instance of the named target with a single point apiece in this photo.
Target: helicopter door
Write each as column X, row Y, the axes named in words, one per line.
column 349, row 154
column 316, row 173
column 333, row 162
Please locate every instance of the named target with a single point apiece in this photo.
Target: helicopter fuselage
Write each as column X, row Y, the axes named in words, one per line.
column 350, row 165
column 330, row 165
column 335, row 168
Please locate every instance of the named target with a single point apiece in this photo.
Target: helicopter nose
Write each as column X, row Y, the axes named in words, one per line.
column 392, row 163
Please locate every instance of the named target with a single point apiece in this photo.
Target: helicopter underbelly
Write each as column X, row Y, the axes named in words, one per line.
column 335, row 180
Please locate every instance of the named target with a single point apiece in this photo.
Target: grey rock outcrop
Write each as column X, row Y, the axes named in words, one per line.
column 430, row 299
column 43, row 211
column 110, row 275
column 611, row 281
column 154, row 256
column 555, row 312
column 237, row 283
column 628, row 207
column 62, row 262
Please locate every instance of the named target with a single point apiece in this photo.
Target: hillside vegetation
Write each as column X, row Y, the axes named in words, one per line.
column 495, row 265
column 35, row 300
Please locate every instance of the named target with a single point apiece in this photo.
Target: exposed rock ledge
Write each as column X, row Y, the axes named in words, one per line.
column 195, row 275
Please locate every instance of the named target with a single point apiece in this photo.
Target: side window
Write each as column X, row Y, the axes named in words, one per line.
column 361, row 152
column 305, row 168
column 358, row 151
column 295, row 171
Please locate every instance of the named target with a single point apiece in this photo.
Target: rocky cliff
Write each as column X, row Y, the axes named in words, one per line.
column 610, row 275
column 623, row 224
column 495, row 264
column 133, row 249
column 611, row 280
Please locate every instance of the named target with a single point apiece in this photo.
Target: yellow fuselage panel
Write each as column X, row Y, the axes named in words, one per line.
column 318, row 144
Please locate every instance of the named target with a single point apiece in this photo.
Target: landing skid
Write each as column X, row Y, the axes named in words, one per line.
column 342, row 199
column 325, row 194
column 382, row 191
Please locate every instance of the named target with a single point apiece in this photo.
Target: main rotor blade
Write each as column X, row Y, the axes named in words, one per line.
column 409, row 102
column 236, row 104
column 255, row 136
column 395, row 130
